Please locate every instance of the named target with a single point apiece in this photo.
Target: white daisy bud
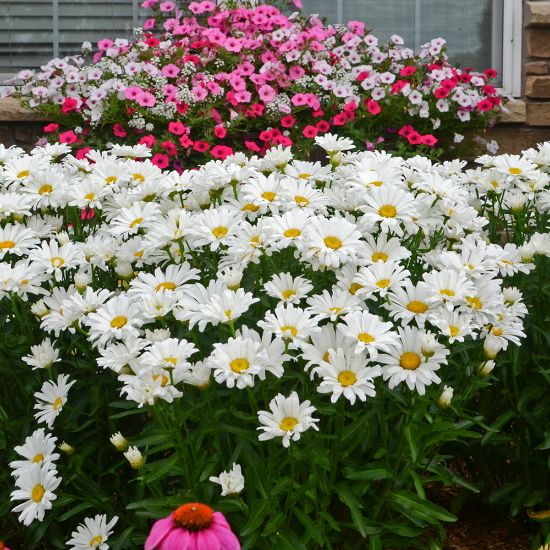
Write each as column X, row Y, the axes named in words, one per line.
column 124, row 269
column 135, row 458
column 39, row 309
column 491, row 347
column 119, row 441
column 516, row 201
column 428, row 344
column 445, row 397
column 82, row 279
column 157, row 335
column 526, row 252
column 66, row 448
column 199, row 376
column 63, row 238
column 231, row 276
column 232, row 482
column 486, row 367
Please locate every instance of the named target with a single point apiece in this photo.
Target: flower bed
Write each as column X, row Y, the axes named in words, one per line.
column 308, row 337
column 210, row 80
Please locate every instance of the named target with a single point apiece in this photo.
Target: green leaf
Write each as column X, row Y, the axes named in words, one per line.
column 257, row 517
column 375, row 543
column 123, row 539
column 411, row 443
column 311, row 528
column 371, row 473
column 419, row 509
column 354, row 506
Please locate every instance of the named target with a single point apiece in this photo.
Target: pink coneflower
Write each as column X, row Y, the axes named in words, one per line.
column 192, row 526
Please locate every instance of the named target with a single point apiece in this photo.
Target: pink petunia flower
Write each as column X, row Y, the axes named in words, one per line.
column 177, row 128
column 267, row 93
column 192, row 526
column 160, row 160
column 170, row 70
column 67, row 137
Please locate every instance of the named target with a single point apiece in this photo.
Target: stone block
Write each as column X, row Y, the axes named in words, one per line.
column 538, row 42
column 537, row 86
column 12, row 110
column 538, row 114
column 516, row 112
column 537, row 14
column 536, row 67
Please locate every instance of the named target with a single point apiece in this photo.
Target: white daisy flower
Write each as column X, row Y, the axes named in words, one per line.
column 39, row 448
column 330, row 242
column 368, row 332
column 35, row 486
column 292, row 324
column 287, row 418
column 51, row 398
column 405, row 362
column 288, row 289
column 93, row 533
column 231, row 482
column 118, row 318
column 347, row 375
column 236, row 362
column 43, row 355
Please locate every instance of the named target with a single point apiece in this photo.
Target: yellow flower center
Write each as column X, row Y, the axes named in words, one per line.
column 139, row 254
column 228, row 313
column 326, row 357
column 365, row 337
column 287, row 294
column 514, row 171
column 96, row 541
column 292, row 233
column 376, row 183
column 269, row 196
column 57, row 261
column 335, row 309
column 46, row 188
column 168, row 285
column 89, row 196
column 119, row 321
column 23, row 174
column 497, row 331
column 240, row 364
column 110, row 180
column 377, row 256
column 409, row 360
column 417, row 307
column 171, row 360
column 304, row 176
column 447, row 292
column 347, row 378
column 39, row 457
column 220, row 231
column 453, row 330
column 6, row 244
column 57, row 403
column 301, row 201
column 474, row 302
column 137, row 221
column 250, row 207
column 383, row 283
column 287, row 424
column 354, row 288
column 333, row 242
column 37, row 492
column 289, row 329
column 138, row 177
column 387, row 211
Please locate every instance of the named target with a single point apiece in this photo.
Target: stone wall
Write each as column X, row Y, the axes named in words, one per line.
column 19, row 126
column 528, row 121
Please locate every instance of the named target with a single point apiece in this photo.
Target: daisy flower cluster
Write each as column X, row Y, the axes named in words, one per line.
column 311, row 285
column 212, row 79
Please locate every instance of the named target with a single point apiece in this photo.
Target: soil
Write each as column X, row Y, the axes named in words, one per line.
column 478, row 529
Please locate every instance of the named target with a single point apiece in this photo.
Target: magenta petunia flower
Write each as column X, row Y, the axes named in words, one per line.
column 192, row 526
